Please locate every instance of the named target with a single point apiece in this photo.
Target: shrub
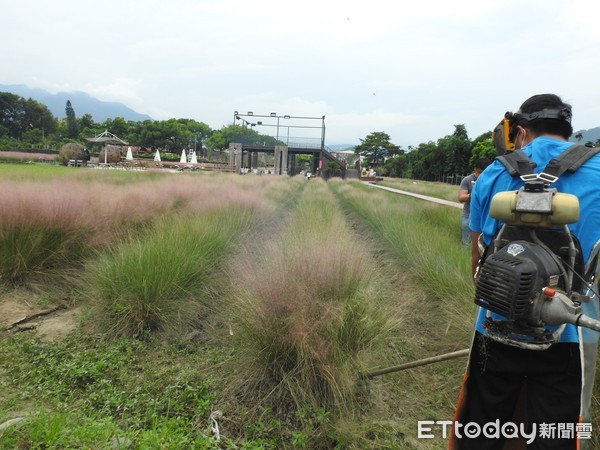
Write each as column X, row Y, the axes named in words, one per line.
column 110, row 154
column 70, row 151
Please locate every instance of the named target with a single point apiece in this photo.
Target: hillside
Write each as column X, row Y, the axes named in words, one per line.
column 592, row 135
column 82, row 103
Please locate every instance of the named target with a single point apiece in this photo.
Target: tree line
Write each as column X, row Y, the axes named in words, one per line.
column 450, row 156
column 28, row 124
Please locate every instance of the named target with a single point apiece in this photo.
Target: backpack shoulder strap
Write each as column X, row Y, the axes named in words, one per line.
column 570, row 160
column 517, row 163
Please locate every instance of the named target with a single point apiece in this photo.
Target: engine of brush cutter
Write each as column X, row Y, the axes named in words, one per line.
column 527, row 281
column 511, row 283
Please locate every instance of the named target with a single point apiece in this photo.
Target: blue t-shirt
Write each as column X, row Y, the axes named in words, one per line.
column 584, row 183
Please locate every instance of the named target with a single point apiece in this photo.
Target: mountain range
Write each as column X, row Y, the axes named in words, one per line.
column 81, row 102
column 84, row 103
column 592, row 135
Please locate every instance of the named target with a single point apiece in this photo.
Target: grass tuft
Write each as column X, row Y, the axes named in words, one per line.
column 158, row 280
column 305, row 309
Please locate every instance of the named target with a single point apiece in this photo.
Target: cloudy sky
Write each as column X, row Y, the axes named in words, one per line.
column 412, row 69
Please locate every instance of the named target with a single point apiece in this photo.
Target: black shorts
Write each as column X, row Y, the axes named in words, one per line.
column 546, row 386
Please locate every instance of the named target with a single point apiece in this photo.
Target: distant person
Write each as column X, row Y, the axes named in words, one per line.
column 85, row 157
column 464, row 196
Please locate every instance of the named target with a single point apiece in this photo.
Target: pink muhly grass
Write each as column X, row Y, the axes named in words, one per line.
column 307, row 309
column 27, row 156
column 57, row 203
column 205, row 194
column 124, row 208
column 50, row 224
column 42, row 227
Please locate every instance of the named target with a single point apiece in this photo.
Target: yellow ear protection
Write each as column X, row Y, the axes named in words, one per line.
column 502, row 137
column 505, row 133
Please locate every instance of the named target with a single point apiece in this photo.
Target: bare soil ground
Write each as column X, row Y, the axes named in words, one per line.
column 22, row 311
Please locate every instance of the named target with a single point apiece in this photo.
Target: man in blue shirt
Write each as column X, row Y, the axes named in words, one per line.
column 550, row 386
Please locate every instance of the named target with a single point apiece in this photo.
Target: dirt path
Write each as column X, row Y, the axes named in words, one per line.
column 422, row 197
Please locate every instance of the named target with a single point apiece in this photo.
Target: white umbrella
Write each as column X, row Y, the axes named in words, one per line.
column 157, row 156
column 129, row 156
column 194, row 159
column 183, row 159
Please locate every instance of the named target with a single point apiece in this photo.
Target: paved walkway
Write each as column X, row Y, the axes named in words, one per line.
column 422, row 197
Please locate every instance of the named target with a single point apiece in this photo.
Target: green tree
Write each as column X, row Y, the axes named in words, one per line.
column 448, row 157
column 72, row 128
column 483, row 137
column 117, row 126
column 11, row 115
column 20, row 119
column 456, row 151
column 333, row 169
column 220, row 139
column 483, row 149
column 88, row 128
column 86, row 121
column 38, row 116
column 192, row 132
column 397, row 166
column 376, row 148
column 147, row 134
column 430, row 162
column 173, row 134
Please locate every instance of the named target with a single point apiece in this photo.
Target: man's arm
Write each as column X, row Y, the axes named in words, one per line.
column 463, row 195
column 475, row 256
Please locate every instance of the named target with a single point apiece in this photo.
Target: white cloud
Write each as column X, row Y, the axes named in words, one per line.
column 411, row 69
